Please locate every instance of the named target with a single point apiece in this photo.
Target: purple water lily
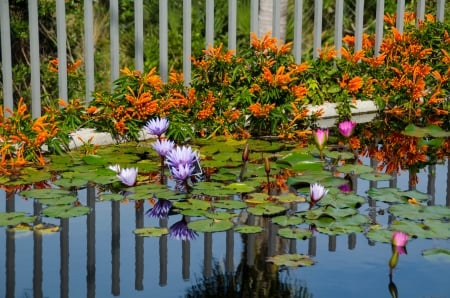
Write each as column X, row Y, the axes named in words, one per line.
column 181, row 156
column 181, row 231
column 182, row 172
column 115, row 168
column 346, row 188
column 160, row 209
column 163, row 146
column 157, row 126
column 346, row 128
column 128, row 176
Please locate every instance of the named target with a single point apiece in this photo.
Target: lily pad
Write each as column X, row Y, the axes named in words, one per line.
column 284, row 220
column 65, row 211
column 356, row 169
column 248, row 229
column 64, row 200
column 239, row 187
column 295, row 233
column 192, row 204
column 15, row 218
column 45, row 193
column 266, row 209
column 437, row 254
column 230, row 204
column 435, row 229
column 110, row 197
column 419, row 212
column 210, row 225
column 46, row 228
column 376, row 176
column 379, row 235
column 340, row 155
column 292, row 260
column 68, row 183
column 219, row 215
column 151, row 232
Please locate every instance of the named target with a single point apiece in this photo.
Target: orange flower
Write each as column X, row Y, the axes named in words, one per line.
column 261, row 111
column 299, row 91
column 327, row 53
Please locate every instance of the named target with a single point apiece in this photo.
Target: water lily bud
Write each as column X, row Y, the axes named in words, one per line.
column 245, row 154
column 267, row 165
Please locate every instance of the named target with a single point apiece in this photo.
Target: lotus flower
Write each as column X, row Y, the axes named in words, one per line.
column 128, row 176
column 316, row 193
column 346, row 188
column 181, row 231
column 160, row 209
column 346, row 128
column 181, row 156
column 157, row 126
column 163, row 146
column 321, row 138
column 399, row 239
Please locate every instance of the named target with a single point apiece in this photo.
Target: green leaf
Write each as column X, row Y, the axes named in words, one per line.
column 247, row 229
column 266, row 209
column 210, row 225
column 291, row 260
column 65, row 211
column 284, row 220
column 437, row 254
column 355, row 169
column 15, row 218
column 151, row 232
column 230, row 204
column 295, row 233
column 110, row 197
column 45, row 193
column 64, row 200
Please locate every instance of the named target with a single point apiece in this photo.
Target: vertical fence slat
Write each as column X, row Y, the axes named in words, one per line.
column 379, row 24
column 89, row 49
column 276, row 19
column 62, row 49
column 187, row 35
column 34, row 59
column 317, row 42
column 359, row 23
column 254, row 22
column 298, row 30
column 232, row 24
column 114, row 40
column 139, row 35
column 420, row 11
column 209, row 29
column 440, row 9
column 163, row 40
column 399, row 22
column 6, row 56
column 339, row 26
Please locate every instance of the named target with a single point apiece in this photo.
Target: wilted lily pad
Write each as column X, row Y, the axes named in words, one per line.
column 15, row 218
column 210, row 225
column 65, row 211
column 247, row 229
column 46, row 228
column 291, row 260
column 295, row 233
column 151, row 232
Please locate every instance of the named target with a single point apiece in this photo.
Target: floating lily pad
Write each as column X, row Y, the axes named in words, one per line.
column 418, row 212
column 295, row 233
column 151, row 232
column 376, row 176
column 379, row 235
column 284, row 220
column 356, row 169
column 247, row 229
column 93, row 159
column 435, row 229
column 342, row 200
column 210, row 225
column 266, row 209
column 239, row 187
column 219, row 215
column 340, row 155
column 395, row 195
column 230, row 204
column 68, row 183
column 300, row 161
column 437, row 254
column 45, row 193
column 63, row 200
column 292, row 260
column 420, row 132
column 15, row 218
column 64, row 211
column 258, row 198
column 290, row 198
column 192, row 204
column 110, row 197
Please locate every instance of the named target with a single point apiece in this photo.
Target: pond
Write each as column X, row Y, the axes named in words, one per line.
column 98, row 254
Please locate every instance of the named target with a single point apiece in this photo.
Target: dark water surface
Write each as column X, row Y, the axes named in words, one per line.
column 99, row 256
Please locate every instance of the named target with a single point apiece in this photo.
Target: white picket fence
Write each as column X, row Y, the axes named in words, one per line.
column 7, row 78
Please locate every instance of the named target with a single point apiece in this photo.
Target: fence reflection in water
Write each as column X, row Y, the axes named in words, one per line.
column 254, row 248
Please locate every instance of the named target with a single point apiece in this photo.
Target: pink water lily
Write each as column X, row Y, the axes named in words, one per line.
column 316, row 193
column 399, row 238
column 320, row 137
column 346, row 128
column 128, row 176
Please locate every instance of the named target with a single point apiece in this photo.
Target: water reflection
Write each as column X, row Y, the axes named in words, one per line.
column 236, row 275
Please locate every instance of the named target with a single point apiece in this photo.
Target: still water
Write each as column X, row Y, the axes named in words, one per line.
column 98, row 255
